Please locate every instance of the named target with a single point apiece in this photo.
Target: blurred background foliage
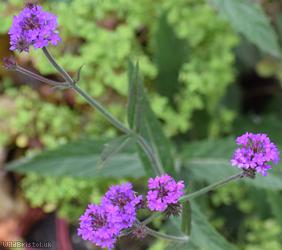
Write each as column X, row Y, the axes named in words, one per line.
column 212, row 70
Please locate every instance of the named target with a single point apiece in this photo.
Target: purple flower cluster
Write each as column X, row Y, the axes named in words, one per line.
column 33, row 27
column 124, row 199
column 102, row 224
column 163, row 191
column 99, row 224
column 255, row 153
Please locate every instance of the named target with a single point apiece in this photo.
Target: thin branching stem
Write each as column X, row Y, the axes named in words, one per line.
column 151, row 156
column 150, row 219
column 52, row 60
column 39, row 77
column 211, row 187
column 157, row 234
column 115, row 122
column 102, row 110
column 196, row 194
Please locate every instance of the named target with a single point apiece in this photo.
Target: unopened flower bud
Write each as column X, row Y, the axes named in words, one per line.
column 173, row 209
column 31, row 4
column 250, row 173
column 139, row 232
column 9, row 63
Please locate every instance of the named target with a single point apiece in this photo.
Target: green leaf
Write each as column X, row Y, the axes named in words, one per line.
column 151, row 130
column 168, row 60
column 139, row 105
column 250, row 20
column 146, row 162
column 133, row 77
column 135, row 98
column 275, row 201
column 203, row 235
column 112, row 148
column 148, row 124
column 80, row 159
column 209, row 161
column 186, row 218
column 278, row 23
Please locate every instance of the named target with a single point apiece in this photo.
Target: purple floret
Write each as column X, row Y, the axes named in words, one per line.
column 256, row 152
column 99, row 224
column 163, row 191
column 33, row 27
column 126, row 201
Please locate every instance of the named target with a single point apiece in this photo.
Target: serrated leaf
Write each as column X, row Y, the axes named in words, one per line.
column 249, row 19
column 141, row 117
column 80, row 159
column 209, row 161
column 151, row 130
column 112, row 148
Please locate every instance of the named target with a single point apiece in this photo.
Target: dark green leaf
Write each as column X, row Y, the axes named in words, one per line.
column 139, row 105
column 141, row 117
column 79, row 159
column 151, row 130
column 249, row 19
column 168, row 60
column 133, row 76
column 146, row 163
column 112, row 148
column 186, row 218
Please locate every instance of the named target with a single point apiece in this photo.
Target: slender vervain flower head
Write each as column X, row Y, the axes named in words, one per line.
column 126, row 202
column 255, row 153
column 33, row 27
column 163, row 191
column 99, row 224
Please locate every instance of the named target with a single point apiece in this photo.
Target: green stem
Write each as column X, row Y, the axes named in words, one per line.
column 211, row 187
column 39, row 77
column 149, row 152
column 115, row 122
column 161, row 235
column 166, row 236
column 150, row 219
column 102, row 110
column 188, row 197
column 52, row 60
column 88, row 98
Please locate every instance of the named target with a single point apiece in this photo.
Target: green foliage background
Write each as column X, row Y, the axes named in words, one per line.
column 191, row 58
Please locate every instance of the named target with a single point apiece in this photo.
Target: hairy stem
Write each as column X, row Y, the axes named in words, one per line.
column 211, row 187
column 162, row 235
column 166, row 236
column 51, row 59
column 115, row 122
column 150, row 219
column 102, row 110
column 196, row 194
column 38, row 77
column 151, row 156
